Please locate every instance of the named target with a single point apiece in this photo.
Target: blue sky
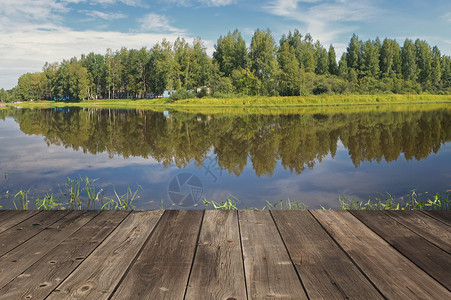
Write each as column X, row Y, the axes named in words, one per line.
column 35, row 31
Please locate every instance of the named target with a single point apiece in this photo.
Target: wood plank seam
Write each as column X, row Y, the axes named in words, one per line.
column 420, row 234
column 242, row 255
column 194, row 255
column 435, row 218
column 100, row 243
column 44, row 228
column 94, row 220
column 438, row 246
column 350, row 258
column 289, row 255
column 400, row 252
column 12, row 225
column 136, row 257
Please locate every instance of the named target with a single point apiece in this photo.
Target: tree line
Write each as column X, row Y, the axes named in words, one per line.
column 296, row 65
column 297, row 141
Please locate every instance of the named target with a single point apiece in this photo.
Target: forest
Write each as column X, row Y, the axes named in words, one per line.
column 296, row 65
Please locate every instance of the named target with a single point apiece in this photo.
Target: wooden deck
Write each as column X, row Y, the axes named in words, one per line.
column 225, row 254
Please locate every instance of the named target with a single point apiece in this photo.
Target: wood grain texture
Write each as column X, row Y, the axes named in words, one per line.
column 162, row 269
column 14, row 263
column 325, row 270
column 430, row 258
column 269, row 271
column 393, row 274
column 16, row 235
column 13, row 217
column 98, row 275
column 42, row 277
column 218, row 272
column 429, row 228
column 441, row 215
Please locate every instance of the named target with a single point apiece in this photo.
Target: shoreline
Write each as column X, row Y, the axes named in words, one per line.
column 246, row 102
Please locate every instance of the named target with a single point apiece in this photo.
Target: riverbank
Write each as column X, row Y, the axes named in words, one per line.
column 247, row 102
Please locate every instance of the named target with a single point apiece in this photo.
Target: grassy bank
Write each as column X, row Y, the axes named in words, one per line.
column 246, row 102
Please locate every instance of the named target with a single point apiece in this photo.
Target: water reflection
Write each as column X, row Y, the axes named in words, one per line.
column 307, row 155
column 297, row 141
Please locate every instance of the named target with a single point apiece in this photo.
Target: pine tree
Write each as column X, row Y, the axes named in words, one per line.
column 332, row 60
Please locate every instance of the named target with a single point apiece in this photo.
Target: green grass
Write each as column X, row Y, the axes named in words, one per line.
column 247, row 102
column 81, row 194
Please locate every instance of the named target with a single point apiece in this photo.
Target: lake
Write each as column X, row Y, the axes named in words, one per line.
column 178, row 158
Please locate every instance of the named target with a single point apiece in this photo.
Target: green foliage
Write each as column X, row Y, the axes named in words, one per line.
column 228, row 204
column 48, row 203
column 264, row 69
column 123, row 202
column 182, row 94
column 411, row 201
column 23, row 199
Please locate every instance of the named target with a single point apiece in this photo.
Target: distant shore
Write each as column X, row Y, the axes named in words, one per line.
column 238, row 102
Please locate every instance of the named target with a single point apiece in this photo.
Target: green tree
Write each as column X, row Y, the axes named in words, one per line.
column 289, row 84
column 321, row 59
column 332, row 61
column 230, row 53
column 390, row 59
column 369, row 64
column 424, row 62
column 436, row 72
column 343, row 66
column 409, row 61
column 353, row 53
column 262, row 60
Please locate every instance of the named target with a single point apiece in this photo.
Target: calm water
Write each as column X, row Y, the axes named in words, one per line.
column 176, row 157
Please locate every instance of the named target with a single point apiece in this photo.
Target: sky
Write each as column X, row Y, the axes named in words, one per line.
column 33, row 32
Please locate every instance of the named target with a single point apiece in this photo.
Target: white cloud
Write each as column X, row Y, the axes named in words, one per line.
column 157, row 23
column 103, row 15
column 447, row 17
column 217, row 2
column 28, row 50
column 32, row 33
column 203, row 2
column 325, row 20
column 107, row 2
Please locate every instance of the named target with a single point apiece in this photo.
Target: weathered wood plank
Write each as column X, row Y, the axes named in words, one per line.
column 16, row 235
column 325, row 270
column 42, row 277
column 442, row 215
column 14, row 263
column 267, row 265
column 161, row 270
column 429, row 228
column 98, row 275
column 427, row 256
column 392, row 273
column 14, row 217
column 218, row 272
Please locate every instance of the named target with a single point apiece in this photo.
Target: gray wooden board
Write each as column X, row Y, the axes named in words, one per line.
column 218, row 272
column 424, row 254
column 393, row 274
column 162, row 269
column 325, row 270
column 442, row 215
column 13, row 217
column 98, row 275
column 429, row 228
column 18, row 234
column 14, row 263
column 268, row 267
column 42, row 277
